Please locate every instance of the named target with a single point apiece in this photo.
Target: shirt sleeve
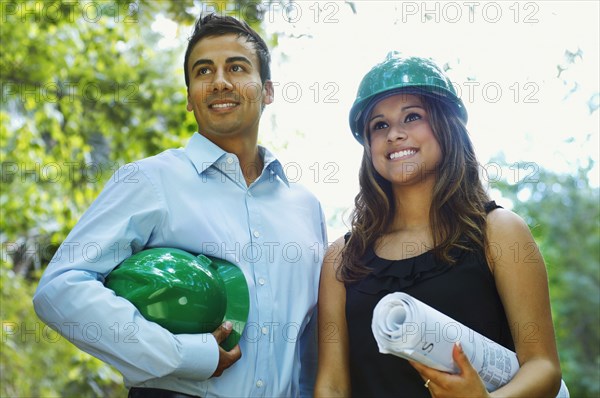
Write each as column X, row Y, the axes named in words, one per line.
column 72, row 299
column 308, row 340
column 308, row 358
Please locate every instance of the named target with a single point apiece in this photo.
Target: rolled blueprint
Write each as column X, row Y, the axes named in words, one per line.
column 410, row 329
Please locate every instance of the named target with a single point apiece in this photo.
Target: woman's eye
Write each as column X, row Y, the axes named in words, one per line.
column 203, row 71
column 379, row 126
column 412, row 117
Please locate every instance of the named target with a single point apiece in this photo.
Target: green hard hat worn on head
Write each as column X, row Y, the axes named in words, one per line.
column 398, row 74
column 184, row 293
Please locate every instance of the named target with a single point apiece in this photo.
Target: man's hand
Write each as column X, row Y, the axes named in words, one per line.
column 226, row 358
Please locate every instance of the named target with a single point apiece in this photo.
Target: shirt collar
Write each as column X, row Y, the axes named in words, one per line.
column 273, row 165
column 203, row 153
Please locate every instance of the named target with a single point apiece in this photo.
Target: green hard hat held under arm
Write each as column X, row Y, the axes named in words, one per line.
column 395, row 75
column 184, row 293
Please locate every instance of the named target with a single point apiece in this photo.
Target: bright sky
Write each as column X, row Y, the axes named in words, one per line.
column 503, row 58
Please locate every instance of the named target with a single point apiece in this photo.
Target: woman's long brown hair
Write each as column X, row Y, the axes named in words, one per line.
column 457, row 214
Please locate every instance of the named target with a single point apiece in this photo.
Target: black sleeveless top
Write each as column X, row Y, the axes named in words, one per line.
column 465, row 292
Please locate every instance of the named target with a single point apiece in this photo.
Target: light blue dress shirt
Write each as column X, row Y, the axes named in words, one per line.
column 196, row 199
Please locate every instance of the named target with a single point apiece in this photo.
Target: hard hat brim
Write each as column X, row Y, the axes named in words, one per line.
column 361, row 111
column 238, row 299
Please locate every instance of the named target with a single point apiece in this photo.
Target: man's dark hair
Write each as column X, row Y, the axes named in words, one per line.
column 215, row 25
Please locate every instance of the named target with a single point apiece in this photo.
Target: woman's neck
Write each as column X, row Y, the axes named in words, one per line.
column 412, row 208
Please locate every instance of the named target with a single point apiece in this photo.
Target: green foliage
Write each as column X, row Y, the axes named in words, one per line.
column 563, row 212
column 83, row 93
column 36, row 361
column 86, row 88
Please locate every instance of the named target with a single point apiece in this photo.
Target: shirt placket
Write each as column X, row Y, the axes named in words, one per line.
column 263, row 255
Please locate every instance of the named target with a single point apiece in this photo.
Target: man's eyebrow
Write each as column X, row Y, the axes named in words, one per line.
column 202, row 61
column 230, row 60
column 238, row 59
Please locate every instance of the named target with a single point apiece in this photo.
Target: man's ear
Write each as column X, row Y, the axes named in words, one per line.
column 189, row 103
column 268, row 93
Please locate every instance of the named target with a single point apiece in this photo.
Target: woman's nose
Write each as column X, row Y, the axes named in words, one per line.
column 396, row 132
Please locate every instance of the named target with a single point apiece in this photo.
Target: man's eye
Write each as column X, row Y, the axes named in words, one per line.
column 412, row 117
column 237, row 68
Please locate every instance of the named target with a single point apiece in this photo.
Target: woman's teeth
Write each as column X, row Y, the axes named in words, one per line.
column 403, row 153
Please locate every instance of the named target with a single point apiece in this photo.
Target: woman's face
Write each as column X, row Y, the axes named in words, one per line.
column 403, row 147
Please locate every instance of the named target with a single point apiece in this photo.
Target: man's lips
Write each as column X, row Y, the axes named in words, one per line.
column 223, row 105
column 222, row 102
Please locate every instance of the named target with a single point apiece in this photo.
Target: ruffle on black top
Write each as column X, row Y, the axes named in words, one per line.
column 397, row 275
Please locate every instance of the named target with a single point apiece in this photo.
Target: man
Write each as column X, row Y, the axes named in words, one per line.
column 224, row 196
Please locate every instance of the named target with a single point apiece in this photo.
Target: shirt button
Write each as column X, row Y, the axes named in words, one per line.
column 265, row 330
column 259, row 383
column 229, row 160
column 256, row 233
column 261, row 281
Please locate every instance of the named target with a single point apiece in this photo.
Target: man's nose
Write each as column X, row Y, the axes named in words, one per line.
column 221, row 81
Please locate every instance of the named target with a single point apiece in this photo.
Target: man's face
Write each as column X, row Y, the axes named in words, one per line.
column 225, row 91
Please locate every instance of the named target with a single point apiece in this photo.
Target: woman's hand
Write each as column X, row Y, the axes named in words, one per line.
column 466, row 383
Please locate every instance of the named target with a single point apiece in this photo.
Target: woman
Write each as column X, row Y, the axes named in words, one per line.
column 423, row 225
